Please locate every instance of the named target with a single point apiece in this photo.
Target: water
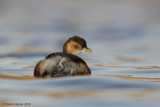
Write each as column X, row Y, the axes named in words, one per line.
column 124, row 36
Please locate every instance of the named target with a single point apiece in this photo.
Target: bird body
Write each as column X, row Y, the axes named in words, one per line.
column 61, row 64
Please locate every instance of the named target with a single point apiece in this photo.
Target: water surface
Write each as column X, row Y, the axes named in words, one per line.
column 125, row 65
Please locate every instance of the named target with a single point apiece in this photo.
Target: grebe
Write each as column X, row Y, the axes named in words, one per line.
column 64, row 63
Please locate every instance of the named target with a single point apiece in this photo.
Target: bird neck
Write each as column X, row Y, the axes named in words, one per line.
column 70, row 47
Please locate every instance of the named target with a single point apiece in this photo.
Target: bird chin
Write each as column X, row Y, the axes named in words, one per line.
column 83, row 51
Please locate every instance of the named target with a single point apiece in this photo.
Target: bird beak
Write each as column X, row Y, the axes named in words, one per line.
column 87, row 50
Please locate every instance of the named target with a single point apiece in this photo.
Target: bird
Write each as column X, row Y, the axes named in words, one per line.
column 66, row 63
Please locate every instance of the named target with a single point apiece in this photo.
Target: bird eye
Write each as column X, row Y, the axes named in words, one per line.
column 76, row 47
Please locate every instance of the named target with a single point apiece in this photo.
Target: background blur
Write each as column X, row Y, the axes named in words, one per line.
column 124, row 35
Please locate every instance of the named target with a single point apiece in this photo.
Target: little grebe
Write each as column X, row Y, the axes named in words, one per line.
column 64, row 63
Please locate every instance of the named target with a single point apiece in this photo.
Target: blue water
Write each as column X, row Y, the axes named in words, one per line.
column 124, row 36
